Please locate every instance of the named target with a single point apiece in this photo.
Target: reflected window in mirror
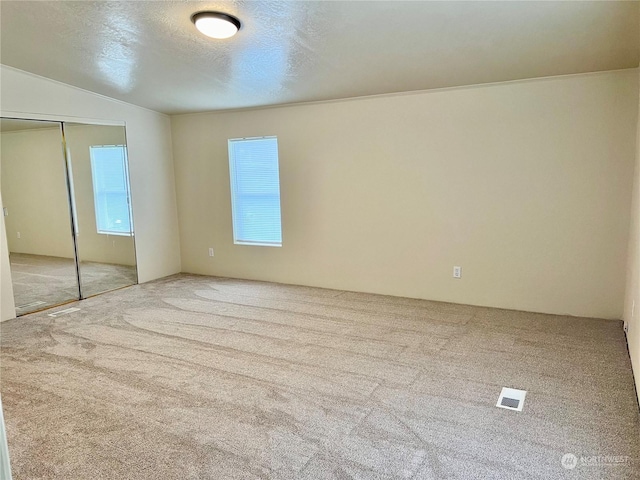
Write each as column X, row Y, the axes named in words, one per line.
column 111, row 189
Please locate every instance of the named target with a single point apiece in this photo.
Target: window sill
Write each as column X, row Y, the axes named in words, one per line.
column 257, row 244
column 117, row 234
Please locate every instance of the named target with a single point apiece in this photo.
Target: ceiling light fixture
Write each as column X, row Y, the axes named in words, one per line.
column 216, row 24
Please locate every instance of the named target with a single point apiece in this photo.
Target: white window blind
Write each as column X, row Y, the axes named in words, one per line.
column 255, row 191
column 111, row 189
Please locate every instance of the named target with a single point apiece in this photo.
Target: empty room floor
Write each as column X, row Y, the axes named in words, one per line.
column 194, row 377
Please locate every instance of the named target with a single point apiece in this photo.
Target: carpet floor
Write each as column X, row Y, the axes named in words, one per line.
column 41, row 281
column 194, row 377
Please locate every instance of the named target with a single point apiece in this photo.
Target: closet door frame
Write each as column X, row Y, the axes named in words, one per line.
column 72, row 208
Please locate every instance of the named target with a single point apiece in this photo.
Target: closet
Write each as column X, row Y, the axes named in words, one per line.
column 67, row 207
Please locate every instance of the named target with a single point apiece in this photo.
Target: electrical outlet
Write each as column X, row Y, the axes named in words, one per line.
column 18, row 234
column 5, row 211
column 211, row 252
column 457, row 272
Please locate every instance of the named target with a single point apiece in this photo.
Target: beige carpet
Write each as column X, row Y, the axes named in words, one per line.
column 208, row 378
column 40, row 281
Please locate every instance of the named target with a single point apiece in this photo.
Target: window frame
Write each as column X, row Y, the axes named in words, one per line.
column 232, row 179
column 125, row 162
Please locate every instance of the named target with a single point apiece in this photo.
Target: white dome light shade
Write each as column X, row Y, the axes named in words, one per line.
column 216, row 24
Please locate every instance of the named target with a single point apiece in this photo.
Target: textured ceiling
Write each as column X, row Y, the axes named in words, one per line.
column 148, row 52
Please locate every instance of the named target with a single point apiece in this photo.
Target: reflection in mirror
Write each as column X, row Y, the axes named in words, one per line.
column 98, row 167
column 37, row 214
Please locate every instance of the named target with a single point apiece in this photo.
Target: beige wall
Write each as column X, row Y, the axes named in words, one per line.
column 526, row 185
column 149, row 146
column 632, row 300
column 34, row 191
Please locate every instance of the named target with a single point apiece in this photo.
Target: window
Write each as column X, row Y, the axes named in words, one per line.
column 111, row 189
column 255, row 191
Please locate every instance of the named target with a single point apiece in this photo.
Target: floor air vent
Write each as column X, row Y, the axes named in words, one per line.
column 63, row 312
column 511, row 399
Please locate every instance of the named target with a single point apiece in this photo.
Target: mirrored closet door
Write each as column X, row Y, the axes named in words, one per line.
column 99, row 173
column 66, row 198
column 37, row 214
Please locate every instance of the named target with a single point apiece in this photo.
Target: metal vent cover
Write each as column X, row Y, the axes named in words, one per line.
column 510, row 402
column 511, row 399
column 64, row 312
